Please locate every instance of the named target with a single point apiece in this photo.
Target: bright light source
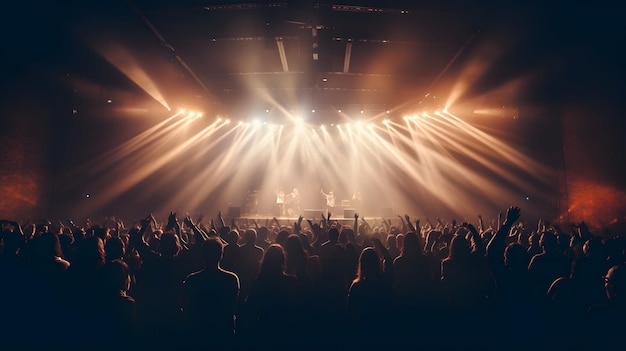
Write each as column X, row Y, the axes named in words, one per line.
column 227, row 121
column 388, row 111
column 198, row 114
column 424, row 114
column 385, row 121
column 359, row 124
column 182, row 110
column 109, row 101
column 219, row 119
column 339, row 110
column 406, row 118
column 324, row 79
column 267, row 110
column 313, row 110
column 362, row 111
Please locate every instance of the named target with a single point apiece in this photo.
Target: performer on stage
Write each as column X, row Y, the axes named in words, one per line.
column 280, row 201
column 330, row 200
column 292, row 203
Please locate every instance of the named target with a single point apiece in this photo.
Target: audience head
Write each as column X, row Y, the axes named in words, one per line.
column 212, row 250
column 343, row 236
column 548, row 241
column 170, row 245
column 273, row 260
column 47, row 245
column 116, row 276
column 459, row 248
column 114, row 248
column 90, row 253
column 411, row 244
column 232, row 238
column 249, row 236
column 534, row 239
column 615, row 284
column 516, row 257
column 369, row 264
column 282, row 236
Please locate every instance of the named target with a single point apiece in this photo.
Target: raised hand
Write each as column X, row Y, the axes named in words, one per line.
column 512, row 214
column 187, row 220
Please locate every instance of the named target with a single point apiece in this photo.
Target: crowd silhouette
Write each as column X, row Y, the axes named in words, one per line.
column 313, row 284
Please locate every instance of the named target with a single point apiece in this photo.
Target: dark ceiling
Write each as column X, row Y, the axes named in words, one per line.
column 372, row 56
column 375, row 55
column 238, row 57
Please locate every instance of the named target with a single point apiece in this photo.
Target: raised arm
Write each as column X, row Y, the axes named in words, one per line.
column 477, row 243
column 199, row 234
column 481, row 226
column 405, row 228
column 497, row 244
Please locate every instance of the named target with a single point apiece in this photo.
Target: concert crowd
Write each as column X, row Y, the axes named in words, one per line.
column 311, row 284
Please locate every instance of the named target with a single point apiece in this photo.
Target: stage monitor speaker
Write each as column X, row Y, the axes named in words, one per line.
column 386, row 212
column 348, row 212
column 234, row 212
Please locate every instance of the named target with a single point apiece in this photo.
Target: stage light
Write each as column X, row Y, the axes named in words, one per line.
column 388, row 112
column 219, row 119
column 406, row 118
column 227, row 121
column 362, row 111
column 182, row 110
column 313, row 110
column 339, row 110
column 267, row 110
